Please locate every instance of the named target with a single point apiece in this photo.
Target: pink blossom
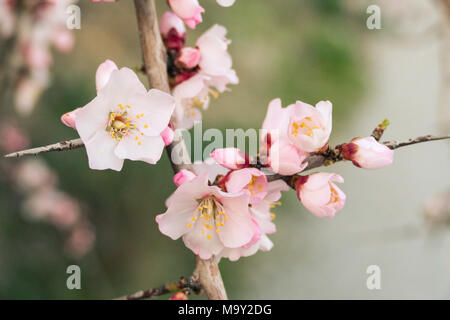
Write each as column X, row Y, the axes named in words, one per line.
column 250, row 179
column 37, row 55
column 284, row 157
column 215, row 60
column 368, row 153
column 189, row 58
column 189, row 11
column 183, row 176
column 13, row 138
column 81, row 241
column 309, row 127
column 319, row 194
column 226, row 3
column 261, row 214
column 169, row 21
column 207, row 218
column 124, row 121
column 103, row 73
column 231, row 158
column 190, row 96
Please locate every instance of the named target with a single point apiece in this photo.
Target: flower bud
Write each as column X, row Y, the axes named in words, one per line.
column 368, row 153
column 183, row 176
column 188, row 10
column 167, row 135
column 231, row 158
column 189, row 58
column 179, row 296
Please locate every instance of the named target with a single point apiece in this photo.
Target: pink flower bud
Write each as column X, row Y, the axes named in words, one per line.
column 231, row 158
column 167, row 135
column 188, row 10
column 182, row 177
column 169, row 21
column 178, row 296
column 368, row 153
column 69, row 118
column 104, row 73
column 319, row 194
column 189, row 58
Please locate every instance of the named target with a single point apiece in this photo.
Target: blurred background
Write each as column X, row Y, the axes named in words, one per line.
column 297, row 50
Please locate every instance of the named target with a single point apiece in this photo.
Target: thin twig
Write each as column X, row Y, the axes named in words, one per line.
column 60, row 146
column 170, row 287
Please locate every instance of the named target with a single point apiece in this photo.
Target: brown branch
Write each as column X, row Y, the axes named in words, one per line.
column 334, row 155
column 186, row 285
column 154, row 57
column 60, row 146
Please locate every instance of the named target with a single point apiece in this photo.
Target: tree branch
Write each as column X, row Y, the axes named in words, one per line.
column 170, row 287
column 60, row 146
column 154, row 56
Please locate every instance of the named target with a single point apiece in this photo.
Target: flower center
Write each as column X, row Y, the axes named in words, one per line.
column 334, row 196
column 251, row 186
column 304, row 126
column 211, row 214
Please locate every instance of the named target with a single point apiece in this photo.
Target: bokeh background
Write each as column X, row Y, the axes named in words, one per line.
column 308, row 50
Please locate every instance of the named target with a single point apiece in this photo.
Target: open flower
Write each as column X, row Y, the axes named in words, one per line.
column 368, row 153
column 191, row 96
column 215, row 60
column 124, row 121
column 207, row 218
column 283, row 156
column 309, row 127
column 189, row 11
column 262, row 216
column 319, row 194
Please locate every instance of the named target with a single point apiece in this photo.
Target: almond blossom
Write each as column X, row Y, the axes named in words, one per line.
column 211, row 77
column 283, row 156
column 262, row 216
column 368, row 153
column 319, row 194
column 250, row 179
column 207, row 218
column 124, row 121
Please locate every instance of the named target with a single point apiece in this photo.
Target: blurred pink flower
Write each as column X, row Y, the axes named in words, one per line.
column 81, row 241
column 34, row 174
column 319, row 194
column 13, row 138
column 368, row 153
column 63, row 40
column 226, row 3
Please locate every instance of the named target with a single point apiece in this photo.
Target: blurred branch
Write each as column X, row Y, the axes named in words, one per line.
column 182, row 284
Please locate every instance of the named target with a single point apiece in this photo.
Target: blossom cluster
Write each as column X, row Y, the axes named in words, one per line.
column 195, row 74
column 223, row 206
column 37, row 26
